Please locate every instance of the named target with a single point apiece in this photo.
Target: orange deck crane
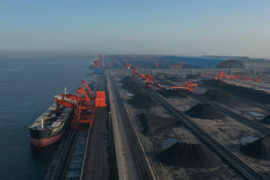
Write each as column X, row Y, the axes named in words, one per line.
column 188, row 86
column 84, row 104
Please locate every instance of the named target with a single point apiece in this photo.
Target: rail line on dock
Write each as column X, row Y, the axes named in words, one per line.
column 244, row 169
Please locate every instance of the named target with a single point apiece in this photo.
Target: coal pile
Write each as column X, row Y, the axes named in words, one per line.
column 266, row 120
column 243, row 92
column 173, row 93
column 258, row 149
column 142, row 101
column 175, row 78
column 220, row 96
column 189, row 156
column 144, row 122
column 129, row 84
column 205, row 111
column 192, row 76
column 152, row 124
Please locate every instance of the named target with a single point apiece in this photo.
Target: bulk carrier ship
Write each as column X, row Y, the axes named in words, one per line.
column 51, row 125
column 48, row 128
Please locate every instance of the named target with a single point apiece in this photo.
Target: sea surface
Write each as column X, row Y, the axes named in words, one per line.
column 27, row 87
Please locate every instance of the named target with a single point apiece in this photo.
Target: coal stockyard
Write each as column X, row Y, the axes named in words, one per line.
column 136, row 120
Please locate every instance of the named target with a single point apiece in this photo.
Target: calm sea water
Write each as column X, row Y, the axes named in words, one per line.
column 27, row 88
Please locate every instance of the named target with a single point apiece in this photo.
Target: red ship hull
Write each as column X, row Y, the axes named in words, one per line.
column 46, row 142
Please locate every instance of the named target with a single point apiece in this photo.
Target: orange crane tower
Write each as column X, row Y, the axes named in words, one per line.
column 188, row 86
column 222, row 75
column 84, row 104
column 150, row 80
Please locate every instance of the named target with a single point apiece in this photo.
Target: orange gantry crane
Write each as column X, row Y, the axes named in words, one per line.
column 222, row 75
column 84, row 104
column 149, row 80
column 188, row 86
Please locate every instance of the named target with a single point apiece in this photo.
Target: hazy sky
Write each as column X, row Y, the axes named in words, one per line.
column 185, row 27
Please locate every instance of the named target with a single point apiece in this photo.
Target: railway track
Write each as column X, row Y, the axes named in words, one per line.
column 244, row 169
column 96, row 160
column 62, row 166
column 143, row 170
